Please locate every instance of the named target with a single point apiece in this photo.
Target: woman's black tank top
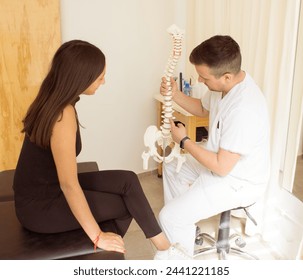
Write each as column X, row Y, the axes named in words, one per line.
column 36, row 175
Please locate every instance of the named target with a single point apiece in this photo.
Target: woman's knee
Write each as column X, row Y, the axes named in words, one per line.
column 132, row 182
column 131, row 177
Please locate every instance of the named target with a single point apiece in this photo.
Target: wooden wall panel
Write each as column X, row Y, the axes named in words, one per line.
column 29, row 35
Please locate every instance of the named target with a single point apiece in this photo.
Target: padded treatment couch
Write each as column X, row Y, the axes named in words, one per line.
column 17, row 243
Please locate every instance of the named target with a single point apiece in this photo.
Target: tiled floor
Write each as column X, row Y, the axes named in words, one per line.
column 139, row 248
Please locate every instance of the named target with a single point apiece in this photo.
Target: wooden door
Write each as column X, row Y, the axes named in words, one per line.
column 29, row 35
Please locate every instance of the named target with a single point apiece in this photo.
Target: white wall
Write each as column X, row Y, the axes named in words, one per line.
column 133, row 36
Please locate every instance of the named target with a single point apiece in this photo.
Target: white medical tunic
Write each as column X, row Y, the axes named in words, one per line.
column 239, row 123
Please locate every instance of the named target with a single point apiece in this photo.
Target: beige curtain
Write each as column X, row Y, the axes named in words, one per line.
column 267, row 34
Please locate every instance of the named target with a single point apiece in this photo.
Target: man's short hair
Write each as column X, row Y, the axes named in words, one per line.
column 220, row 53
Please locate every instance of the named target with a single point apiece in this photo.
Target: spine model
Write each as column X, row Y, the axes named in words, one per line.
column 167, row 112
column 163, row 138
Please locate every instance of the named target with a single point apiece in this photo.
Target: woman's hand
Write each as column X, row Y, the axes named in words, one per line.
column 110, row 241
column 164, row 88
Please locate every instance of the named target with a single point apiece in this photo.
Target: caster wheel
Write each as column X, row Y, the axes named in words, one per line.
column 199, row 240
column 240, row 242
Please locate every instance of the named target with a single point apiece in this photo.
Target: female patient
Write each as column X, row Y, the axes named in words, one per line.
column 50, row 196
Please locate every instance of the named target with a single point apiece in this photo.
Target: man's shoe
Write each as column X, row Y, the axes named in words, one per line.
column 174, row 252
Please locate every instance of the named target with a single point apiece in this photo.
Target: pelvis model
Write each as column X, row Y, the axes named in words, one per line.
column 154, row 138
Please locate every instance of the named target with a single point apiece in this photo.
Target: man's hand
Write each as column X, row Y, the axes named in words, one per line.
column 164, row 88
column 178, row 131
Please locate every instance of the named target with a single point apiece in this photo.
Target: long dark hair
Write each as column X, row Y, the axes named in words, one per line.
column 220, row 53
column 75, row 66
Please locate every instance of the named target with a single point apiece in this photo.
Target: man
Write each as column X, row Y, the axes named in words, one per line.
column 233, row 169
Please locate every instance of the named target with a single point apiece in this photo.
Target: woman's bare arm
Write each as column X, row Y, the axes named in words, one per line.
column 63, row 143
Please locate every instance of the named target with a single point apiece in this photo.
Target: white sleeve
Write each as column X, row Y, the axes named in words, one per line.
column 239, row 131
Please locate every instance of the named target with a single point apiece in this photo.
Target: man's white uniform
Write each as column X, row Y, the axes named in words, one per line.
column 238, row 123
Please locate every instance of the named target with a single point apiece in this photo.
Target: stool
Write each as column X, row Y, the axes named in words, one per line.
column 222, row 244
column 18, row 243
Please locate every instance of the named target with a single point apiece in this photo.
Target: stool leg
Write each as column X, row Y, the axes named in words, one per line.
column 223, row 234
column 222, row 245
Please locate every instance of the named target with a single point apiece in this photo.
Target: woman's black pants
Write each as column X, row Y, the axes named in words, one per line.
column 115, row 197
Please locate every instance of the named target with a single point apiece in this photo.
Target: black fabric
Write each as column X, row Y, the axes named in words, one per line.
column 7, row 177
column 6, row 183
column 113, row 195
column 36, row 175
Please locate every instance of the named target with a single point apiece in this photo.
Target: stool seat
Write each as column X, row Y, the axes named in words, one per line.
column 222, row 244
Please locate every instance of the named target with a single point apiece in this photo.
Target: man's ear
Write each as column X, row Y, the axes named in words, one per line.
column 227, row 77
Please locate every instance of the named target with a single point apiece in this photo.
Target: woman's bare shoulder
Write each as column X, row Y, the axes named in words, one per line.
column 67, row 117
column 68, row 113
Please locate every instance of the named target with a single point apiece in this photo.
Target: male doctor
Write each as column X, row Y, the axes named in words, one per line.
column 232, row 170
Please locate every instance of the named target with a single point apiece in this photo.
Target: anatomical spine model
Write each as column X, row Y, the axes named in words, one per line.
column 163, row 138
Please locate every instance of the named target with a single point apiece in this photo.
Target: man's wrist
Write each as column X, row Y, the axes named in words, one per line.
column 182, row 142
column 176, row 94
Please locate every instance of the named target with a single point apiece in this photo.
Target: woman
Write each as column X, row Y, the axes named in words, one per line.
column 49, row 194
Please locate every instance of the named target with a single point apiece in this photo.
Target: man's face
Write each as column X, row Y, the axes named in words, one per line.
column 205, row 77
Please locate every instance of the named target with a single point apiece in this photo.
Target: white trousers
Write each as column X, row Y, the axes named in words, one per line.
column 195, row 194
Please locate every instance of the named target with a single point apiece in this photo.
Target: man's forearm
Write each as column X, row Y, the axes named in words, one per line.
column 190, row 104
column 220, row 163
